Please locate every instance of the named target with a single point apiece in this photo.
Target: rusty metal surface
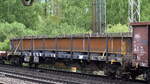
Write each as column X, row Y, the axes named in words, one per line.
column 140, row 23
column 49, row 43
column 140, row 44
column 119, row 45
column 63, row 44
column 26, row 44
column 38, row 44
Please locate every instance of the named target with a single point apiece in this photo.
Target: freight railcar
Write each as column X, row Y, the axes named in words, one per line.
column 112, row 44
column 120, row 55
column 83, row 51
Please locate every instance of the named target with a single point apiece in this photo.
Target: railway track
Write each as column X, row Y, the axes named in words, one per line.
column 24, row 77
column 45, row 76
column 19, row 75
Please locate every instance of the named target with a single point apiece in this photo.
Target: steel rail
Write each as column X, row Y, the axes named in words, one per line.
column 48, row 76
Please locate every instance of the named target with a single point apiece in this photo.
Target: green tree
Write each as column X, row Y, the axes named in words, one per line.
column 117, row 11
column 5, row 45
column 56, row 17
column 11, row 30
column 145, row 13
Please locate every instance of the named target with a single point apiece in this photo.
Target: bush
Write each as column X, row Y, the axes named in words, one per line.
column 117, row 28
column 5, row 45
column 12, row 30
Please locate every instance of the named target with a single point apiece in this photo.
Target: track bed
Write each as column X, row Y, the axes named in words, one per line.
column 62, row 77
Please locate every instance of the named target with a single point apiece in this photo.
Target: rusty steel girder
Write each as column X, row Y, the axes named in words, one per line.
column 88, row 43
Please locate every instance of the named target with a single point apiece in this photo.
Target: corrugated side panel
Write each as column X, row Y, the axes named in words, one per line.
column 27, row 44
column 38, row 44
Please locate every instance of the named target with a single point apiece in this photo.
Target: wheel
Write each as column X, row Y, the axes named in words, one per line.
column 2, row 62
column 12, row 61
column 30, row 65
column 119, row 72
column 133, row 76
column 36, row 65
column 16, row 61
column 107, row 71
column 111, row 70
column 126, row 77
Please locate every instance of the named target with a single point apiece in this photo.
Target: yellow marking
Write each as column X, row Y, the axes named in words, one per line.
column 113, row 61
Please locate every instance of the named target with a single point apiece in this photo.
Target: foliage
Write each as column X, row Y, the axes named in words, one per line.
column 4, row 45
column 145, row 13
column 52, row 29
column 117, row 28
column 117, row 11
column 11, row 30
column 56, row 17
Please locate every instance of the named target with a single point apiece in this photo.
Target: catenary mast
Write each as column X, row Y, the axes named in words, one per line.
column 134, row 11
column 99, row 16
